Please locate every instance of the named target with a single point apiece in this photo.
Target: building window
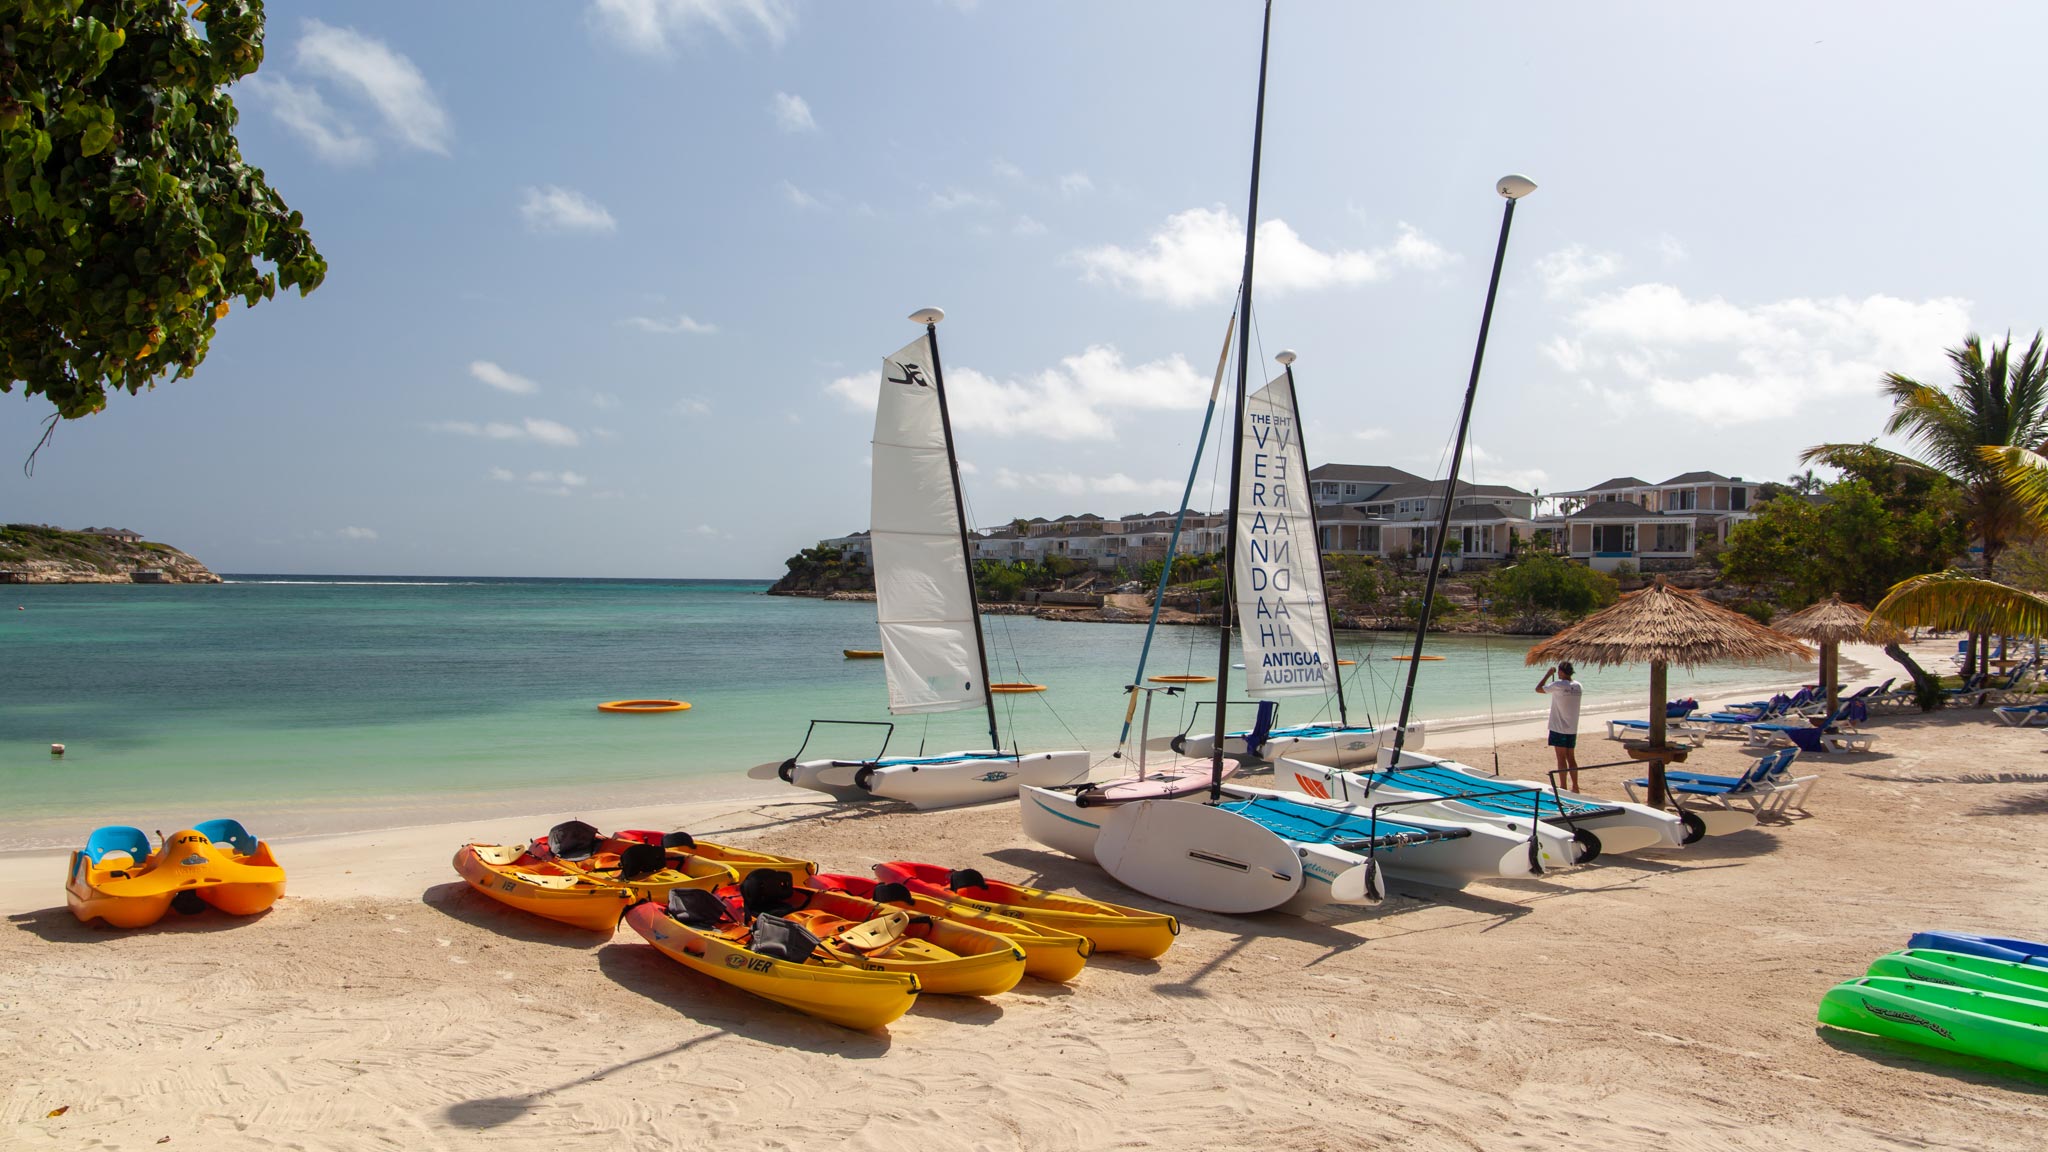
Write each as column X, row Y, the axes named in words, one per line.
column 1672, row 538
column 1614, row 538
column 1738, row 500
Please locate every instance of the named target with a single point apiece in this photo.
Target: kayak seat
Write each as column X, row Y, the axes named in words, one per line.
column 132, row 842
column 573, row 840
column 696, row 907
column 781, row 939
column 766, row 891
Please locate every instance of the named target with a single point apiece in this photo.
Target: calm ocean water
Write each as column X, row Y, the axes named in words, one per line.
column 305, row 704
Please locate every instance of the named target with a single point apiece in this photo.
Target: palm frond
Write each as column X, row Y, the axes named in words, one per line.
column 1957, row 600
column 1843, row 455
column 2024, row 474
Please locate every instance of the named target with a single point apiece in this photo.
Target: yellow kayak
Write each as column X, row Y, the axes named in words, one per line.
column 508, row 874
column 1110, row 927
column 947, row 956
column 816, row 985
column 1049, row 954
column 117, row 879
column 650, row 871
column 741, row 860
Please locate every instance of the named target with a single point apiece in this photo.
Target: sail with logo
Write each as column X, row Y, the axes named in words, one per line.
column 1281, row 615
column 933, row 652
column 923, row 600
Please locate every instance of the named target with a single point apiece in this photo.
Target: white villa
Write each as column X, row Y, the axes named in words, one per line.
column 1380, row 510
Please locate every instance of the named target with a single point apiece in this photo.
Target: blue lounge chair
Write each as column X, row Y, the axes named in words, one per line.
column 1753, row 788
column 2021, row 715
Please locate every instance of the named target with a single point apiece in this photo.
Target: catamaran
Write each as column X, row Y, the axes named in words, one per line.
column 1238, row 848
column 933, row 652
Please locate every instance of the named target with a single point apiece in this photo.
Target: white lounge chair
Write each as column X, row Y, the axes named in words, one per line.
column 2022, row 715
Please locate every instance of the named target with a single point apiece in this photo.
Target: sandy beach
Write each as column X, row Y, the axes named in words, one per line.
column 1660, row 1002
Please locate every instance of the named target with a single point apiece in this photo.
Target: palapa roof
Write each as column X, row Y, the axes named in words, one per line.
column 1835, row 621
column 1671, row 625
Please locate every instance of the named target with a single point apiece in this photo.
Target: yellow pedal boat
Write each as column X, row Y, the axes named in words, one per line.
column 116, row 878
column 815, row 985
column 1111, row 927
column 1049, row 954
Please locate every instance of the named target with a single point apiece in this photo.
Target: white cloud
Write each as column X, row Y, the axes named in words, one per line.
column 682, row 323
column 603, row 401
column 552, row 209
column 1026, row 226
column 1370, row 434
column 354, row 533
column 1723, row 363
column 1005, row 169
column 652, row 25
column 1075, row 184
column 1569, row 269
column 536, row 430
column 693, row 406
column 792, row 113
column 1197, row 256
column 705, row 530
column 1074, row 484
column 502, row 475
column 385, row 79
column 797, row 197
column 1074, row 401
column 502, row 380
column 953, row 198
column 303, row 111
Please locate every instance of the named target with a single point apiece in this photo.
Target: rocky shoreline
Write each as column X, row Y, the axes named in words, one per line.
column 37, row 554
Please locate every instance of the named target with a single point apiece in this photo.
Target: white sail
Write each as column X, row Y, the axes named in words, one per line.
column 922, row 598
column 1279, row 573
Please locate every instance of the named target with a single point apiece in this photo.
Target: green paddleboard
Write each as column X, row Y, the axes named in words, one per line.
column 1931, row 966
column 2009, row 1028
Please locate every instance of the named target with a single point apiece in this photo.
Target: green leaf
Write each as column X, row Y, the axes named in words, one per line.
column 95, row 140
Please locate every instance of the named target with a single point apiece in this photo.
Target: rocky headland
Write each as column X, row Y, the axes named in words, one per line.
column 40, row 554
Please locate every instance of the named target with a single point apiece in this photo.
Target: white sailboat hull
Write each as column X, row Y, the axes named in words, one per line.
column 832, row 777
column 1556, row 846
column 936, row 782
column 1487, row 853
column 1350, row 746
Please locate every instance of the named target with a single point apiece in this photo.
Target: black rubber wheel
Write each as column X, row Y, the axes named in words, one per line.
column 1589, row 845
column 1535, row 858
column 862, row 776
column 1375, row 881
column 187, row 903
column 1695, row 828
column 1179, row 744
column 786, row 769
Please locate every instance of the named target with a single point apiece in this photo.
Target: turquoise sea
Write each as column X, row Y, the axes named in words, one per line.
column 303, row 704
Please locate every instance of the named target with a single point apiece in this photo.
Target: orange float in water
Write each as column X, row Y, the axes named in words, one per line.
column 1013, row 687
column 644, row 706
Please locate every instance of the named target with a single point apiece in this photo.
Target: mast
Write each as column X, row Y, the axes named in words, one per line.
column 1315, row 525
column 1244, row 352
column 1511, row 188
column 931, row 318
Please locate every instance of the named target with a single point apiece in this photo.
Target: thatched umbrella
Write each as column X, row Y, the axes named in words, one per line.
column 1661, row 626
column 1830, row 624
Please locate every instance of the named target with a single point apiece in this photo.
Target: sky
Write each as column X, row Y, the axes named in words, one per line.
column 610, row 281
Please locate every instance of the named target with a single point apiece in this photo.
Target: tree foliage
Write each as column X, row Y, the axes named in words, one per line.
column 1540, row 582
column 129, row 218
column 1856, row 542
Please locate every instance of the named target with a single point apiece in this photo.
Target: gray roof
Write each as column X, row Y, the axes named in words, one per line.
column 1482, row 512
column 1362, row 473
column 1332, row 513
column 1619, row 482
column 1613, row 510
column 1435, row 488
column 1696, row 478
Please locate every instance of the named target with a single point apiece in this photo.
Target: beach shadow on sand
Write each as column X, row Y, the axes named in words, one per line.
column 1919, row 1058
column 458, row 901
column 486, row 1113
column 58, row 926
column 643, row 969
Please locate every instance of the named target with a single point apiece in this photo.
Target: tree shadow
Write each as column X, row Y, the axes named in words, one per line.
column 643, row 969
column 458, row 901
column 2035, row 804
column 58, row 926
column 1920, row 1058
column 490, row 1112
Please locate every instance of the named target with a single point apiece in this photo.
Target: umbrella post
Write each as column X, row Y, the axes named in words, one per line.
column 1830, row 656
column 1658, row 691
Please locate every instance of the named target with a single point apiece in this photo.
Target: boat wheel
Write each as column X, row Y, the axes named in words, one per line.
column 1535, row 858
column 786, row 769
column 188, row 903
column 1589, row 845
column 1375, row 880
column 1695, row 828
column 1179, row 744
column 864, row 775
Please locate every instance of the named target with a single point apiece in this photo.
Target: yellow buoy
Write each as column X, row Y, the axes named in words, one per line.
column 1016, row 687
column 861, row 653
column 1414, row 657
column 644, row 706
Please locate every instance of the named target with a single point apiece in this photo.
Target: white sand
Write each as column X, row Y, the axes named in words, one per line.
column 1659, row 1003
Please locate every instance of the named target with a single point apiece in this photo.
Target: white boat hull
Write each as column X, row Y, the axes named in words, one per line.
column 1351, row 748
column 1556, row 846
column 832, row 777
column 940, row 783
column 1487, row 853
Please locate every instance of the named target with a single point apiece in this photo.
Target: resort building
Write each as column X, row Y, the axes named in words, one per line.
column 1383, row 511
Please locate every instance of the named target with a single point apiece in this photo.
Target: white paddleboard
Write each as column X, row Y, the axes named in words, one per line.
column 1197, row 856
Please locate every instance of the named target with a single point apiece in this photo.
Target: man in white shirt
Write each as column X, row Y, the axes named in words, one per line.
column 1564, row 722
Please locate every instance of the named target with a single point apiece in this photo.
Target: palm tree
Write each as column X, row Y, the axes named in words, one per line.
column 1804, row 483
column 1994, row 404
